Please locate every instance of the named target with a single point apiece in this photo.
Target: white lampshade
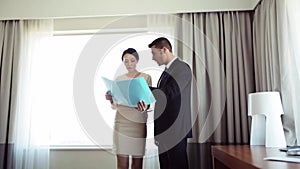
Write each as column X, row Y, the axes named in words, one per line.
column 266, row 128
column 267, row 103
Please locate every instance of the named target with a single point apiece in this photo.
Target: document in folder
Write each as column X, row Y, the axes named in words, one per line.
column 129, row 92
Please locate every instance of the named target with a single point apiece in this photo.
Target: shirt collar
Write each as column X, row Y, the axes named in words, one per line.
column 170, row 63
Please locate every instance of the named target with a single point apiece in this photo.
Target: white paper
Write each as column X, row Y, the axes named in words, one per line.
column 294, row 159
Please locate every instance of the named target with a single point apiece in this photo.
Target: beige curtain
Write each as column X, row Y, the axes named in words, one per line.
column 21, row 130
column 10, row 48
column 276, row 58
column 218, row 46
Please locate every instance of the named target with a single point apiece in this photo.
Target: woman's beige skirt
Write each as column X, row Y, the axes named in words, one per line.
column 130, row 132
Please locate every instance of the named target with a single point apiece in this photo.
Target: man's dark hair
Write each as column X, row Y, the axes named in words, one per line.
column 160, row 43
column 132, row 52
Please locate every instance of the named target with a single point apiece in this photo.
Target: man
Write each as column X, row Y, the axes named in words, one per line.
column 172, row 113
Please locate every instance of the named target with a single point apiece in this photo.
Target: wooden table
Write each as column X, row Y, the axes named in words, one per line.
column 248, row 157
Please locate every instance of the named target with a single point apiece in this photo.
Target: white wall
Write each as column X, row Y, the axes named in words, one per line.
column 18, row 9
column 95, row 23
column 90, row 159
column 82, row 159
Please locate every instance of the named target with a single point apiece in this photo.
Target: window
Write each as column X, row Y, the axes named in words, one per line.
column 53, row 82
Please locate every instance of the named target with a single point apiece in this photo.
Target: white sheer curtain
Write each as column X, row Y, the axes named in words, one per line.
column 291, row 63
column 277, row 61
column 30, row 126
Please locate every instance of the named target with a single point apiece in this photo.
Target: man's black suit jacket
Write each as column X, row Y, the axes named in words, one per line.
column 172, row 113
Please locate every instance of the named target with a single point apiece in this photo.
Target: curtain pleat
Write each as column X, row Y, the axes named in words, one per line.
column 218, row 47
column 9, row 53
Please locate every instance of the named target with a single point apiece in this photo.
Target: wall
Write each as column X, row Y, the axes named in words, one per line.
column 93, row 159
column 101, row 159
column 96, row 23
column 29, row 9
column 81, row 159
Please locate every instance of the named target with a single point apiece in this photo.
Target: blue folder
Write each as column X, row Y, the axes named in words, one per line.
column 130, row 92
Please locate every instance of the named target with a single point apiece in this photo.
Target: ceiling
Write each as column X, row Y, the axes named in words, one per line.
column 36, row 9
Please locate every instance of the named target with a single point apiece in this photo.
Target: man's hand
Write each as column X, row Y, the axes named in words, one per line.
column 141, row 106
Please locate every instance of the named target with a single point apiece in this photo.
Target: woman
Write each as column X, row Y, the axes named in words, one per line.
column 130, row 123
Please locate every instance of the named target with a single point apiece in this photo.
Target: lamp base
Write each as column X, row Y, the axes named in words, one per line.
column 274, row 132
column 258, row 130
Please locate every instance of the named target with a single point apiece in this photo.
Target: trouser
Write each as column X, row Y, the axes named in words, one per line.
column 175, row 158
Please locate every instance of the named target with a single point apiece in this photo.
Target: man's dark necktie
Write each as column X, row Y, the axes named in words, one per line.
column 162, row 78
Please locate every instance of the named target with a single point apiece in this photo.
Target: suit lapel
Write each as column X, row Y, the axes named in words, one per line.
column 164, row 76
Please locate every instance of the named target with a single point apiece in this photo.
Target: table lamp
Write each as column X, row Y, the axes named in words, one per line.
column 266, row 127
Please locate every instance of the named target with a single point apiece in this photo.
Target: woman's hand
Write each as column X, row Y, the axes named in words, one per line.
column 109, row 97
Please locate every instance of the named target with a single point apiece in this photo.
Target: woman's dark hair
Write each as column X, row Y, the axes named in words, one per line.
column 132, row 52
